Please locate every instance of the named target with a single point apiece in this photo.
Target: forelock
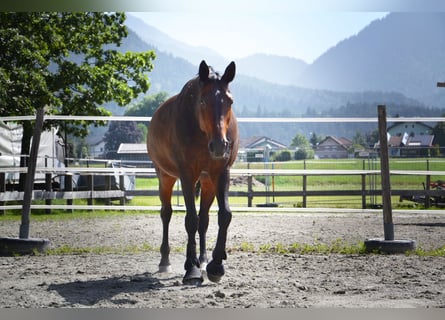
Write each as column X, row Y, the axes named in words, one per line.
column 213, row 75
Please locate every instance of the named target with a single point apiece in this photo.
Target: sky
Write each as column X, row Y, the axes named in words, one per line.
column 302, row 34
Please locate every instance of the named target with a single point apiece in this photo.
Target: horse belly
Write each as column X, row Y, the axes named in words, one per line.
column 163, row 158
column 159, row 141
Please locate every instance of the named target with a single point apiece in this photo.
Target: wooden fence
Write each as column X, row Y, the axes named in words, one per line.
column 48, row 194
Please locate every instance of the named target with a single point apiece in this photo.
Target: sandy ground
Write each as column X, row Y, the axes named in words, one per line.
column 253, row 278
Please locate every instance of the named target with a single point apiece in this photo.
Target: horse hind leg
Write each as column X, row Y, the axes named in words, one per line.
column 166, row 184
column 164, row 265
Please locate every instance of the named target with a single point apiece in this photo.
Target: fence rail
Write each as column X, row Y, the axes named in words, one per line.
column 239, row 119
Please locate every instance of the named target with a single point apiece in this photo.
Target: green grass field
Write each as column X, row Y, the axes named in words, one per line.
column 334, row 182
column 338, row 182
column 291, row 183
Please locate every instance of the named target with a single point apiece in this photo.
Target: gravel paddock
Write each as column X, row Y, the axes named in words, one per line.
column 120, row 277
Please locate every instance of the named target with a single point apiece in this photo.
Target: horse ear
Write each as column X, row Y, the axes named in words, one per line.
column 204, row 71
column 229, row 74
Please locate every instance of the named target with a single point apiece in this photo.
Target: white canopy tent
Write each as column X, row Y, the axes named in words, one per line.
column 51, row 147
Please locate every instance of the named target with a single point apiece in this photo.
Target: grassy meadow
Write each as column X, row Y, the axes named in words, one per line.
column 291, row 183
column 334, row 182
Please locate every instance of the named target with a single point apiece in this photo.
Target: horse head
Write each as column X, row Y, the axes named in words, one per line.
column 215, row 108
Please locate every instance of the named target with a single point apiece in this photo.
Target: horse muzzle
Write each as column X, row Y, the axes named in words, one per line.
column 219, row 148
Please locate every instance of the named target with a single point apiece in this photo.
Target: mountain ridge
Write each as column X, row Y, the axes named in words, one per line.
column 403, row 52
column 264, row 97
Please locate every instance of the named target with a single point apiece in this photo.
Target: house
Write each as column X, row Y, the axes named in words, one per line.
column 261, row 143
column 409, row 139
column 96, row 148
column 407, row 146
column 333, row 148
column 133, row 153
column 418, row 146
column 257, row 149
column 411, row 128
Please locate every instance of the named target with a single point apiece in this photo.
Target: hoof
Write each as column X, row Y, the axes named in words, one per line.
column 165, row 269
column 193, row 277
column 215, row 271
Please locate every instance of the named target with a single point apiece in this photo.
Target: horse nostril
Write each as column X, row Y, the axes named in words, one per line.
column 211, row 147
column 219, row 148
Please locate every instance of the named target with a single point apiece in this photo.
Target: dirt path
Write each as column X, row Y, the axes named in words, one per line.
column 253, row 279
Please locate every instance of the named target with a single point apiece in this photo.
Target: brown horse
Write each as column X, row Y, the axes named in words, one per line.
column 193, row 137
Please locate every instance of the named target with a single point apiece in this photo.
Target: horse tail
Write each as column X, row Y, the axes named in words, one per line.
column 197, row 189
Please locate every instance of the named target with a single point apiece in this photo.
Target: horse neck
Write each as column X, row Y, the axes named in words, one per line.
column 188, row 99
column 186, row 103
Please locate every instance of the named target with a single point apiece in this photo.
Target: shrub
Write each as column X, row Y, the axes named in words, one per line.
column 283, row 156
column 302, row 154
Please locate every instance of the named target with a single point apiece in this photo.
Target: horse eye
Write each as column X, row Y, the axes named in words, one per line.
column 202, row 102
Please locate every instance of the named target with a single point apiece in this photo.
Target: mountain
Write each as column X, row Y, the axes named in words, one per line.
column 256, row 97
column 167, row 44
column 266, row 97
column 402, row 52
column 262, row 84
column 271, row 68
column 253, row 96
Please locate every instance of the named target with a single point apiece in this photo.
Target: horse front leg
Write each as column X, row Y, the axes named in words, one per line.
column 207, row 197
column 193, row 275
column 215, row 269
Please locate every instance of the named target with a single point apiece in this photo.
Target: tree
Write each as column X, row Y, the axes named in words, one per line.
column 147, row 106
column 439, row 133
column 68, row 61
column 359, row 139
column 300, row 141
column 121, row 132
column 372, row 137
column 81, row 148
column 144, row 130
column 314, row 139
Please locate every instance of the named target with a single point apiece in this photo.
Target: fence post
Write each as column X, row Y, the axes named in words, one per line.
column 2, row 189
column 384, row 167
column 304, row 190
column 90, row 186
column 249, row 190
column 107, row 188
column 388, row 244
column 363, row 191
column 304, row 184
column 29, row 181
column 48, row 188
column 428, row 186
column 69, row 188
column 122, row 188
